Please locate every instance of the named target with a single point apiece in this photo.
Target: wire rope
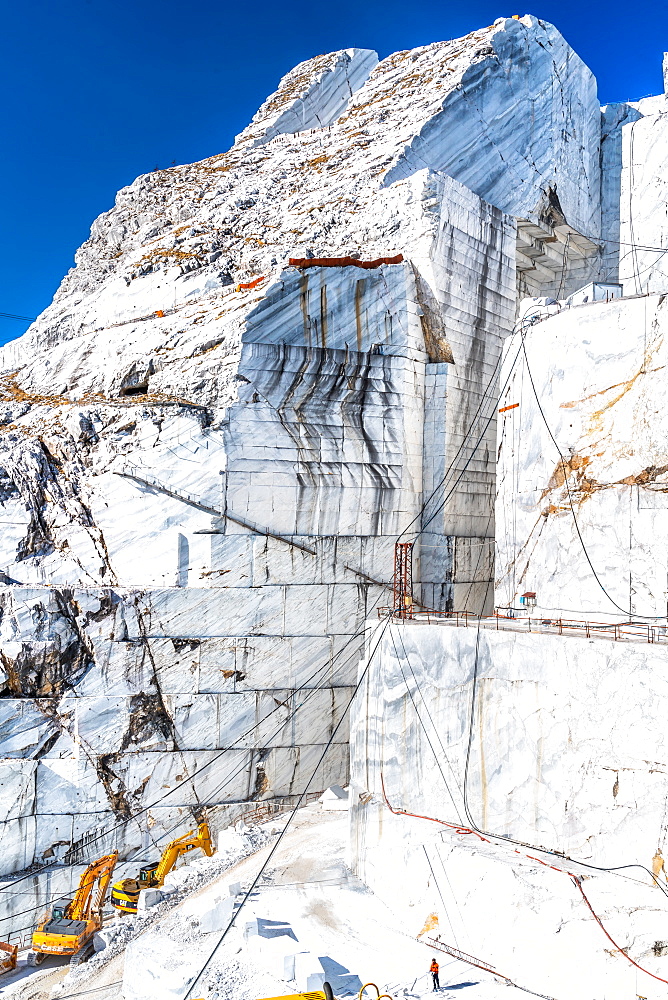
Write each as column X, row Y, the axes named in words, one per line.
column 105, row 833
column 486, row 833
column 428, row 738
column 190, row 990
column 570, row 499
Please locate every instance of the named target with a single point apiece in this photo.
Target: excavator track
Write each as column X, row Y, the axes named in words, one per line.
column 83, row 954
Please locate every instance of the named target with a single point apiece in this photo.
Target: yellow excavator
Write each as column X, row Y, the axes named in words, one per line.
column 125, row 894
column 69, row 928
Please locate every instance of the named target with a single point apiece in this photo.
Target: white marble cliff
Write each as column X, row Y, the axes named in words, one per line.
column 582, row 481
column 492, row 763
column 207, row 453
column 488, row 768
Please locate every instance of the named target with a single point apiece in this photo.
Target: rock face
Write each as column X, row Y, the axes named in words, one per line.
column 581, row 523
column 582, row 453
column 515, row 744
column 558, row 746
column 207, row 455
column 644, row 197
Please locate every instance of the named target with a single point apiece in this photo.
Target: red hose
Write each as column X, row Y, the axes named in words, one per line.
column 463, row 829
column 451, row 826
column 621, row 950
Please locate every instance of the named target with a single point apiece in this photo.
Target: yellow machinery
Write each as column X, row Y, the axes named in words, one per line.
column 125, row 894
column 8, row 960
column 324, row 994
column 69, row 928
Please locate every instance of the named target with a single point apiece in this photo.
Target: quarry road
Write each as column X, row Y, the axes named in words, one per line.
column 34, row 984
column 310, row 919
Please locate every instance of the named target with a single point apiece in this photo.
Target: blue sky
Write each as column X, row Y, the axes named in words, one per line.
column 96, row 92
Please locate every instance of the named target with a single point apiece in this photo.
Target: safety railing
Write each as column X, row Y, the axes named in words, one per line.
column 272, row 807
column 617, row 631
column 21, row 938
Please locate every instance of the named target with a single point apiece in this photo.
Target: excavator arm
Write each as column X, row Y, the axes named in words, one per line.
column 69, row 929
column 83, row 902
column 200, row 838
column 103, row 880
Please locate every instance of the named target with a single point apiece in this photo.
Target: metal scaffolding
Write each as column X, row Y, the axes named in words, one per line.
column 402, row 582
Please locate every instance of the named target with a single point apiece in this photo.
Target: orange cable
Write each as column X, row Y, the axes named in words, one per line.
column 451, row 826
column 464, row 830
column 600, row 924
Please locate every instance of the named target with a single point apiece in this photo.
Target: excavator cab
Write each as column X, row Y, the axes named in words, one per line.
column 125, row 895
column 147, row 876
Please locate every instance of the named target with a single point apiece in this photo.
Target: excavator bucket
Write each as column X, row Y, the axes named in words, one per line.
column 8, row 956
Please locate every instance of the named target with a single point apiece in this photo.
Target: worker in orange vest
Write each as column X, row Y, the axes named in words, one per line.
column 433, row 968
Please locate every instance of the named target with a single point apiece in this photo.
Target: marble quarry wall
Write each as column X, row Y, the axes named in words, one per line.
column 237, row 552
column 644, row 205
column 581, row 523
column 207, row 455
column 580, row 517
column 566, row 748
column 491, row 765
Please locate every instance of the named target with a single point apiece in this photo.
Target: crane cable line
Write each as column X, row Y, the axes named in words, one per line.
column 360, row 632
column 138, row 857
column 223, row 935
column 469, row 816
column 422, row 528
column 459, row 476
column 106, row 833
column 570, row 499
column 366, row 669
column 343, row 648
column 461, row 472
column 616, row 870
column 509, row 982
column 516, row 329
column 25, row 319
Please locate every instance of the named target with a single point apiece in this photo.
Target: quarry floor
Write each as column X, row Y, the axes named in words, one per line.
column 308, row 894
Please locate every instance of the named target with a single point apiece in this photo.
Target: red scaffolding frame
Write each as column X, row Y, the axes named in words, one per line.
column 402, row 581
